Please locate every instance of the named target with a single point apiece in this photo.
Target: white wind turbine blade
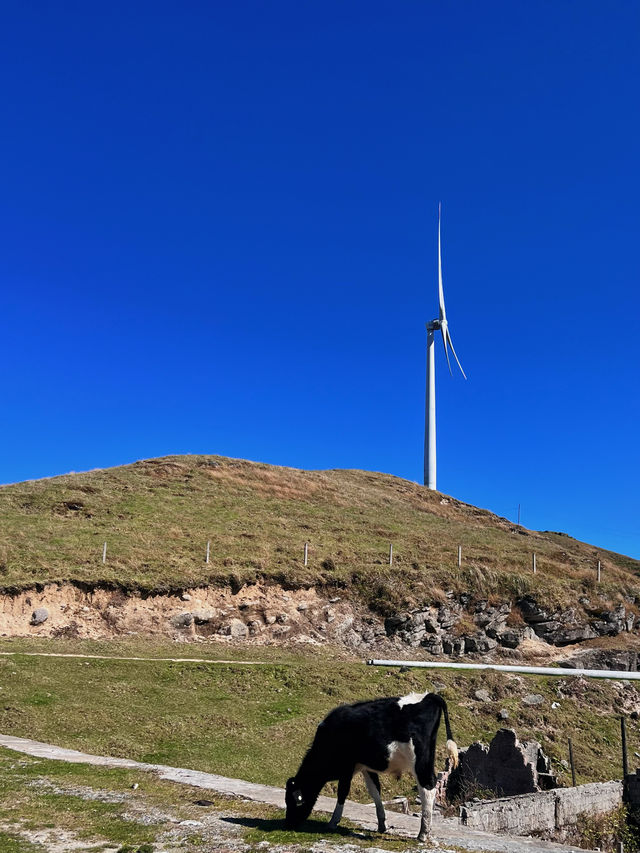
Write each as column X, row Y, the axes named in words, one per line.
column 444, row 325
column 454, row 353
column 442, row 311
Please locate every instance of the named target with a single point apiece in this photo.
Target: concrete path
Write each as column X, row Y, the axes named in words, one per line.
column 445, row 831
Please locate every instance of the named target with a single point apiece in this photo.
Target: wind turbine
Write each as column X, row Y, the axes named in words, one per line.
column 430, row 407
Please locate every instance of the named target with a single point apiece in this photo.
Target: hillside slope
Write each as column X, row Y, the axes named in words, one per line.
column 157, row 515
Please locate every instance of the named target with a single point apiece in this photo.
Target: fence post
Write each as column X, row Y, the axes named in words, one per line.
column 573, row 769
column 390, row 554
column 533, row 563
column 459, row 556
column 208, row 549
column 306, row 553
column 104, row 553
column 599, row 571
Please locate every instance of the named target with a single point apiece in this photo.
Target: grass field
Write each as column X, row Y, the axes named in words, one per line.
column 157, row 516
column 254, row 722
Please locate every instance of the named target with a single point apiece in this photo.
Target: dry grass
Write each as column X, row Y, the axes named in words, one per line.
column 157, row 516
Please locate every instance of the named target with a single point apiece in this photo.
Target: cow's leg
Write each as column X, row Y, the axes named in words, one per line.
column 344, row 784
column 427, row 798
column 372, row 781
column 424, row 771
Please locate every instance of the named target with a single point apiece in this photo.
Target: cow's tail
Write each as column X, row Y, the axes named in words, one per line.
column 452, row 746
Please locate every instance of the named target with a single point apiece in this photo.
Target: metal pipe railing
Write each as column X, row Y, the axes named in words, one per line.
column 526, row 670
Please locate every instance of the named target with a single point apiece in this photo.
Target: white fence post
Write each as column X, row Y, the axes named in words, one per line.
column 206, row 559
column 533, row 563
column 104, row 553
column 390, row 554
column 459, row 556
column 306, row 553
column 599, row 567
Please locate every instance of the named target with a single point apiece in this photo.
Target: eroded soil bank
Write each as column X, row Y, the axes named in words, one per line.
column 260, row 614
column 256, row 614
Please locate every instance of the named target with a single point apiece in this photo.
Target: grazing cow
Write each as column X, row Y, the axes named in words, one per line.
column 379, row 736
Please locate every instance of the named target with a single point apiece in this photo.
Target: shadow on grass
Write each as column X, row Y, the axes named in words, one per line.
column 276, row 826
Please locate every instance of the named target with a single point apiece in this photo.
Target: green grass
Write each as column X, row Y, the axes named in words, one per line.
column 255, row 722
column 157, row 516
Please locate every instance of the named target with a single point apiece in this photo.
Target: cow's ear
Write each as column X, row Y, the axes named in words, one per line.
column 290, row 783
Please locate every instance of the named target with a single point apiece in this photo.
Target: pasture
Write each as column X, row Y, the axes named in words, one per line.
column 255, row 722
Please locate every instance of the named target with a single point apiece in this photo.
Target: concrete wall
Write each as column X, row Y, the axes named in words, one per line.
column 545, row 811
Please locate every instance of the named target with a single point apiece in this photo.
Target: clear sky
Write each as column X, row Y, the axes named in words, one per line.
column 218, row 235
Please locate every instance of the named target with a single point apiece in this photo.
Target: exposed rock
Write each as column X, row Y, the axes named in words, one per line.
column 512, row 637
column 202, row 617
column 482, row 696
column 185, row 596
column 236, row 629
column 493, row 620
column 182, row 620
column 558, row 634
column 433, row 645
column 532, row 699
column 39, row 615
column 531, row 611
column 503, row 714
column 446, row 618
column 479, row 643
column 452, row 645
column 599, row 659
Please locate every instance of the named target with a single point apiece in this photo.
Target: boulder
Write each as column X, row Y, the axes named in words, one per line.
column 532, row 699
column 482, row 696
column 236, row 629
column 202, row 617
column 182, row 620
column 39, row 615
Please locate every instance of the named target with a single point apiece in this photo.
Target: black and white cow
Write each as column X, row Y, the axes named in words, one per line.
column 380, row 736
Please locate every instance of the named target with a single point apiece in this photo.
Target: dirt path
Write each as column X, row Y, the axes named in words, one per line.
column 447, row 832
column 119, row 657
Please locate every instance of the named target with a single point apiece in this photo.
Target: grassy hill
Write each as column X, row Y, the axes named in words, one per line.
column 157, row 515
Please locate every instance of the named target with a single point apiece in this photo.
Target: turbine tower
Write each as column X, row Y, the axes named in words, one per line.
column 430, row 406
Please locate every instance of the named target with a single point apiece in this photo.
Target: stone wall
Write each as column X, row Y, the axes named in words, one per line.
column 543, row 812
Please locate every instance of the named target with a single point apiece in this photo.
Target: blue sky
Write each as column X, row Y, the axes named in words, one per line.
column 218, row 235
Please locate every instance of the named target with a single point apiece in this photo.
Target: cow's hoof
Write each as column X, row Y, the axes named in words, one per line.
column 382, row 827
column 333, row 824
column 422, row 837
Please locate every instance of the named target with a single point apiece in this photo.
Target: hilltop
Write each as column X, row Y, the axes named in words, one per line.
column 157, row 515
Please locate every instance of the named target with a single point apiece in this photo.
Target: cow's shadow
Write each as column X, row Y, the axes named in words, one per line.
column 309, row 827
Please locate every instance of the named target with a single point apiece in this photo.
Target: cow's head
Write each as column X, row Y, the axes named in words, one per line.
column 298, row 803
